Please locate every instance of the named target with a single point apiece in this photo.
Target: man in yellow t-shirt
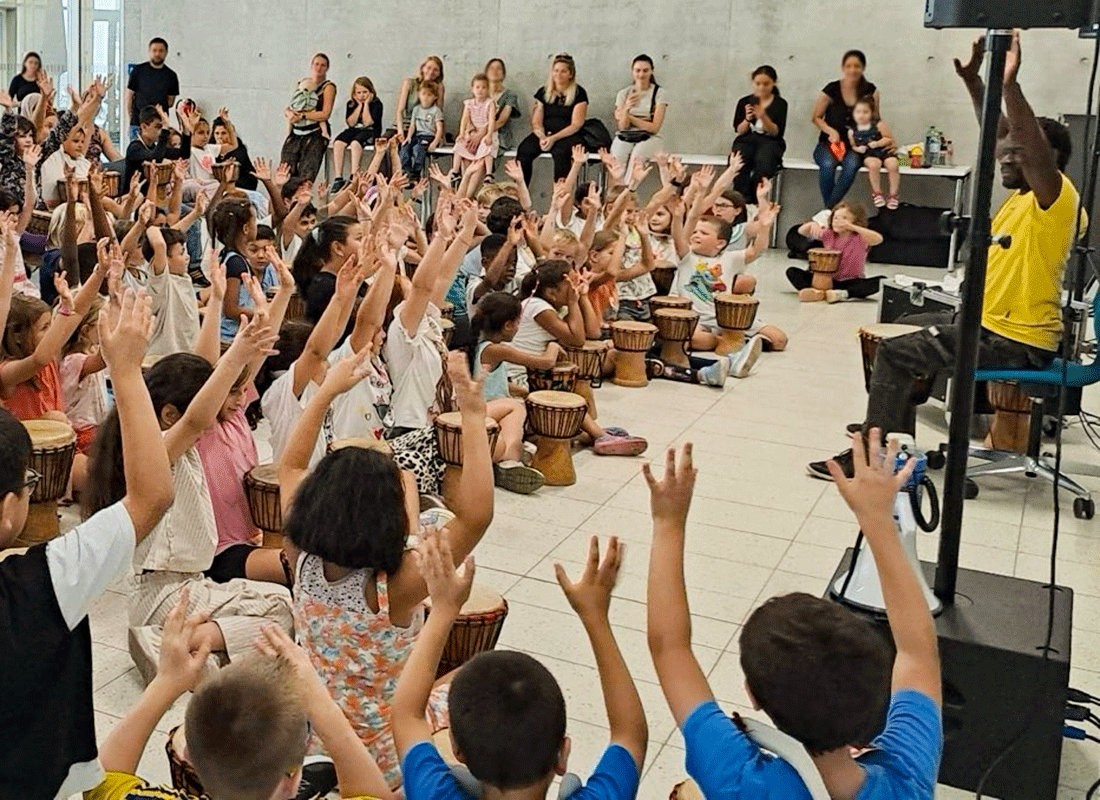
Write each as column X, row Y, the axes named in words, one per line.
column 1022, row 320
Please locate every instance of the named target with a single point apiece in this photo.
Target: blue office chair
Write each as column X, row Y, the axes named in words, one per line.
column 1042, row 386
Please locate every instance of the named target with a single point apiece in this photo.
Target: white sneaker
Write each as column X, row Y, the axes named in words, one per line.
column 836, row 295
column 742, row 362
column 716, row 374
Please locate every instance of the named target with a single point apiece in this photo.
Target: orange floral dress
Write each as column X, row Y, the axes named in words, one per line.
column 359, row 654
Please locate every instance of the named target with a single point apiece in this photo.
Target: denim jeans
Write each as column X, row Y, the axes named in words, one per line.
column 194, row 237
column 414, row 154
column 833, row 188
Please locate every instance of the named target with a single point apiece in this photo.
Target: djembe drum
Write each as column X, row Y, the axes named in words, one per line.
column 295, row 309
column 39, row 223
column 53, row 447
column 555, row 418
column 589, row 360
column 735, row 314
column 111, row 182
column 261, row 487
column 1011, row 424
column 632, row 340
column 562, row 377
column 222, row 170
column 476, row 628
column 824, row 263
column 663, row 278
column 675, row 327
column 160, row 176
column 448, row 440
column 63, row 189
column 659, row 301
column 448, row 329
column 447, row 311
column 869, row 338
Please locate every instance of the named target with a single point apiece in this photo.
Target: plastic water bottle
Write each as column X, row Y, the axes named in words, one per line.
column 934, row 157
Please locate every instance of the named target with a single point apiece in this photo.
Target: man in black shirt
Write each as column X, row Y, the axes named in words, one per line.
column 151, row 84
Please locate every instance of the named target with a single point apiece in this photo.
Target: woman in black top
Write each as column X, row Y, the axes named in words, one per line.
column 26, row 82
column 246, row 172
column 760, row 122
column 561, row 107
column 833, row 117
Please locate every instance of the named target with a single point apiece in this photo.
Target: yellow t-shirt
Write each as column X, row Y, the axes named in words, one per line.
column 123, row 786
column 1023, row 285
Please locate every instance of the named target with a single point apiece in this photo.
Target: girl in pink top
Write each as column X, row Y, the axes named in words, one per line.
column 227, row 449
column 476, row 146
column 847, row 232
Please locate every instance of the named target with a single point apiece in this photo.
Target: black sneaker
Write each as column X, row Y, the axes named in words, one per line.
column 820, row 469
column 318, row 779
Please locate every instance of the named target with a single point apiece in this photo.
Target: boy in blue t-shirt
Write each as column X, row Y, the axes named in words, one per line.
column 507, row 711
column 821, row 673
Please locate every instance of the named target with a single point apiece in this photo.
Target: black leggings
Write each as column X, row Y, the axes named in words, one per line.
column 561, row 151
column 856, row 288
column 763, row 156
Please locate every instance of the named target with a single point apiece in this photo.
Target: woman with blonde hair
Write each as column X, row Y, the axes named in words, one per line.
column 561, row 107
column 431, row 70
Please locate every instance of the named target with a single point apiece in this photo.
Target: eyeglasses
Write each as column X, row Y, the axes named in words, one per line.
column 724, row 205
column 31, row 479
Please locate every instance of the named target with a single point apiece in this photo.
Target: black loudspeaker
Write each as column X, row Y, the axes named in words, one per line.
column 1008, row 13
column 995, row 682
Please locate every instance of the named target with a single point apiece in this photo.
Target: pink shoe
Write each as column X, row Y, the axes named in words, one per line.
column 892, row 202
column 878, row 199
column 608, row 445
column 810, row 295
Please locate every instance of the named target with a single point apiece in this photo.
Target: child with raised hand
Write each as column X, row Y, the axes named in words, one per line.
column 508, row 716
column 173, row 293
column 47, row 722
column 359, row 592
column 819, row 672
column 188, row 395
column 847, row 232
column 246, row 727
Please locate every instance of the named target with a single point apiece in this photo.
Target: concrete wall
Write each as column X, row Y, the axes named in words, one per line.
column 248, row 54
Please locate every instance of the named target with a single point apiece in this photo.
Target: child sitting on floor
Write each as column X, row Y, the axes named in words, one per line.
column 84, row 378
column 820, row 673
column 847, row 232
column 48, row 722
column 508, row 716
column 359, row 592
column 173, row 293
column 245, row 728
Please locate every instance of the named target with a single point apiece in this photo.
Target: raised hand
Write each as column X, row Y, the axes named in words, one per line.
column 972, row 70
column 446, row 587
column 255, row 337
column 736, row 163
column 124, row 332
column 468, row 392
column 61, row 286
column 31, row 155
column 513, row 170
column 262, row 167
column 217, row 278
column 286, row 277
column 590, row 596
column 1013, row 59
column 670, row 498
column 580, row 155
column 348, row 372
column 871, row 491
column 282, row 174
column 179, row 666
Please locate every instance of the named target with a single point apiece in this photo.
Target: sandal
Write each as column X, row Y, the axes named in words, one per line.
column 878, row 199
column 892, row 203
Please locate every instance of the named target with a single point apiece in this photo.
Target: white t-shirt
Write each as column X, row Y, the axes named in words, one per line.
column 531, row 337
column 641, row 287
column 702, row 277
column 202, row 162
column 416, row 362
column 186, row 537
column 83, row 563
column 86, row 403
column 664, row 249
column 641, row 109
column 176, row 324
column 53, row 173
column 21, row 283
column 361, row 412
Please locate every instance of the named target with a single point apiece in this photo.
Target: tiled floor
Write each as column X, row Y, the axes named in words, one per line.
column 759, row 526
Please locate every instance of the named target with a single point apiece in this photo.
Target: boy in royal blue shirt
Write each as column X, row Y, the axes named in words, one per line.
column 507, row 711
column 819, row 672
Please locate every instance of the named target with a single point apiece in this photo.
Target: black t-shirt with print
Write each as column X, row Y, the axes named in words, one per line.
column 557, row 115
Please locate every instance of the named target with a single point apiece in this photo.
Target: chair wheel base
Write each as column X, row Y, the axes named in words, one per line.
column 936, row 459
column 1084, row 508
column 971, row 490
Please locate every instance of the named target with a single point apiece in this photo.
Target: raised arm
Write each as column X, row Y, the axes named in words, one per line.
column 1035, row 154
column 590, row 598
column 971, row 74
column 372, row 311
column 7, row 265
column 870, row 495
column 202, row 412
column 668, row 619
column 124, row 336
column 331, row 326
column 208, row 344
